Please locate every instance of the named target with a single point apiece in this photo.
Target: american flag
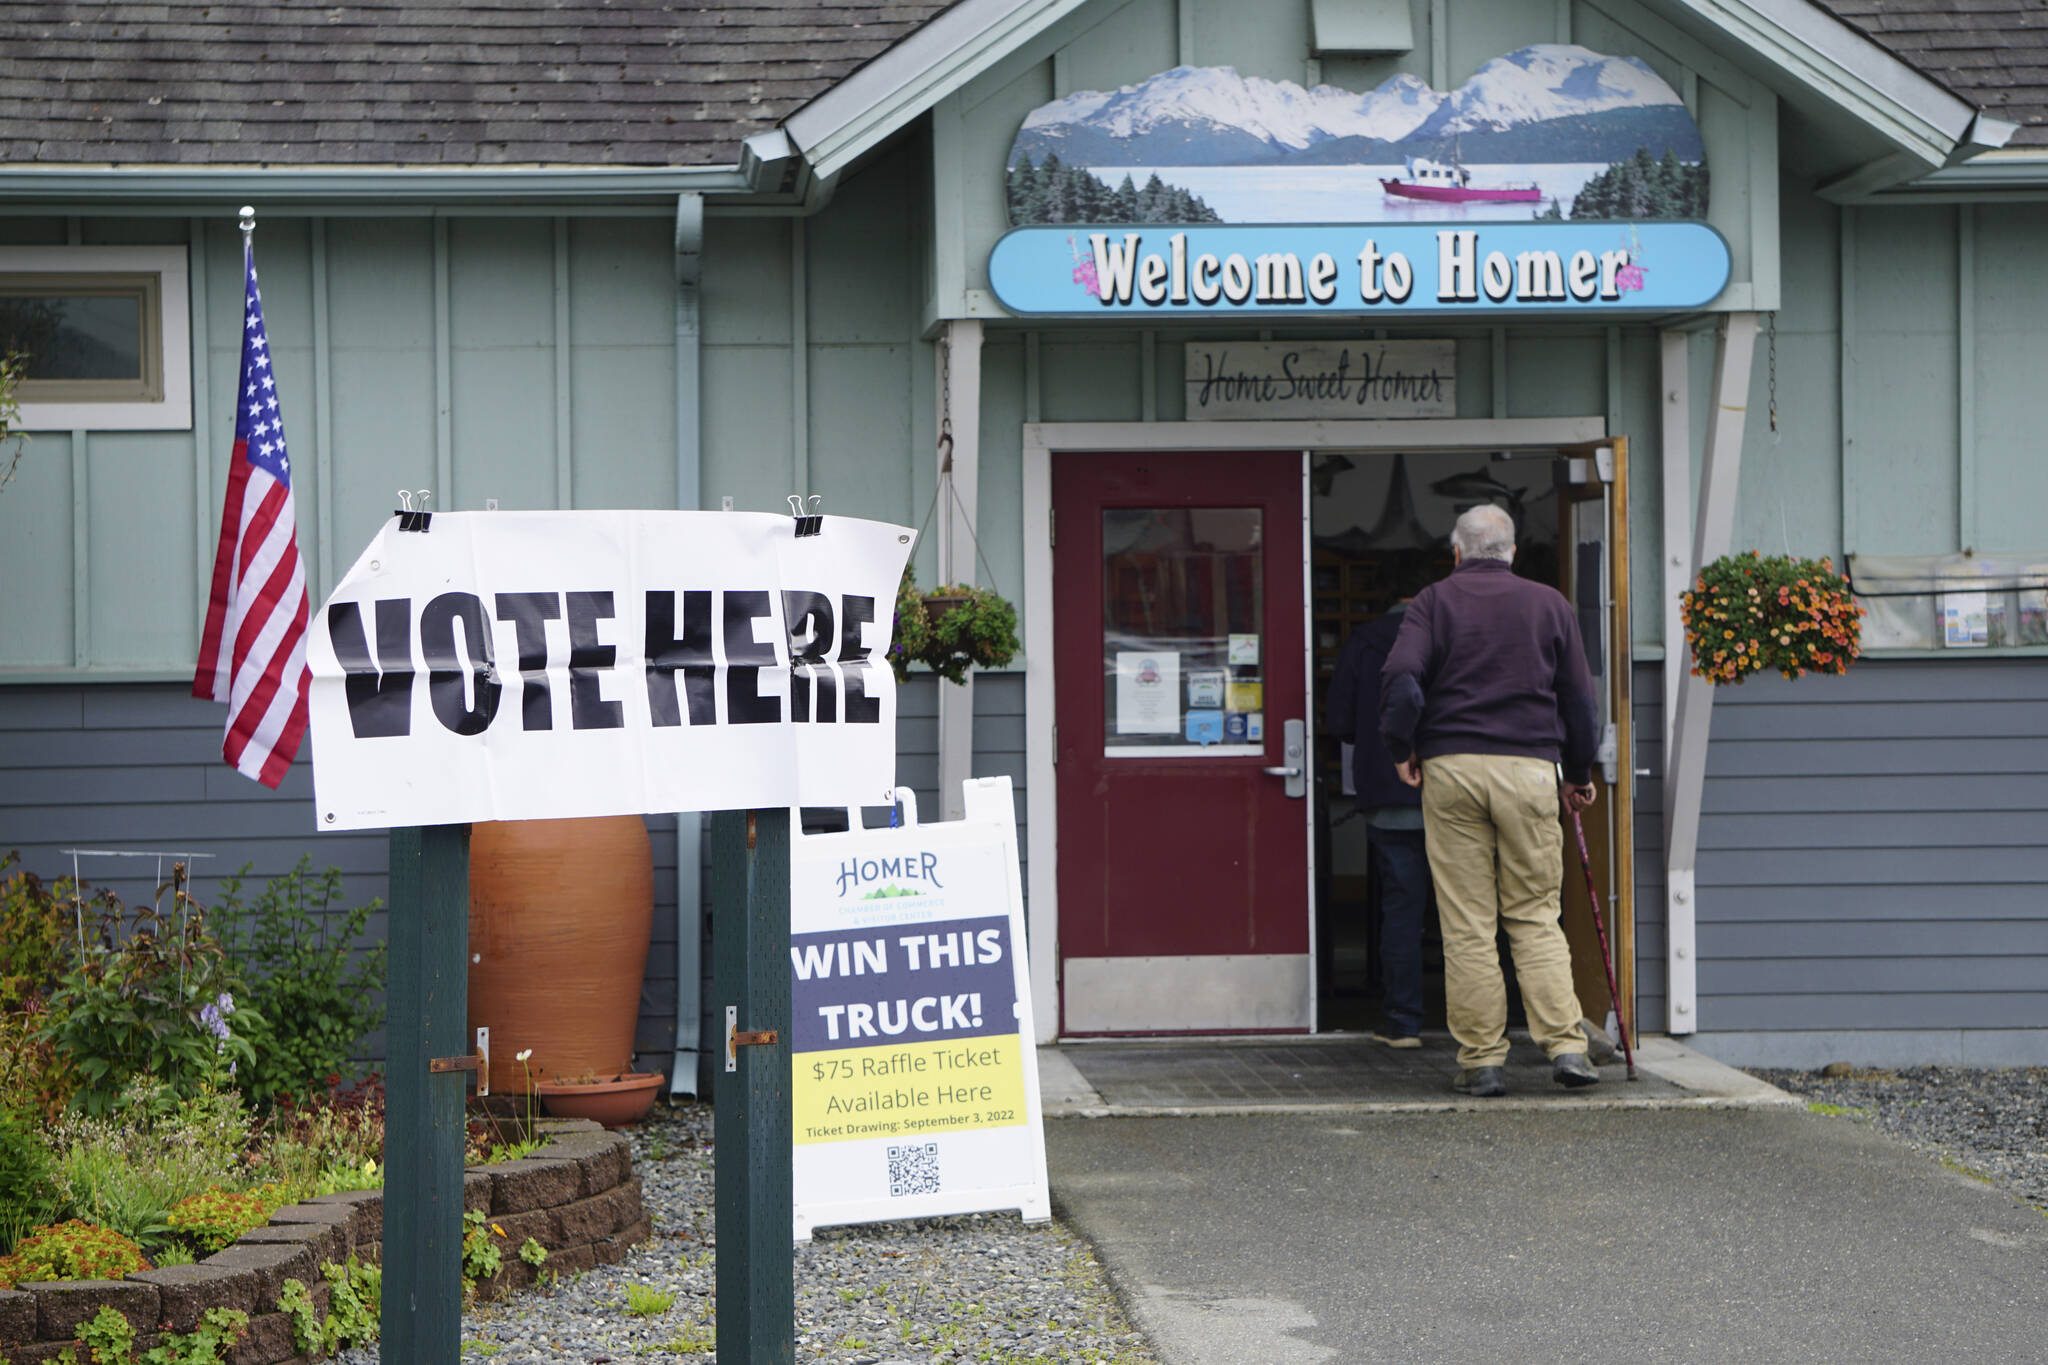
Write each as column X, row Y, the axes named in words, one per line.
column 253, row 655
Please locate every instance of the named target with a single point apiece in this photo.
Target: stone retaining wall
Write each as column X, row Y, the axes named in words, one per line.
column 577, row 1196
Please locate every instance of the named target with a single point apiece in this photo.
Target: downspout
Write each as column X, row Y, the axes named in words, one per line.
column 689, row 246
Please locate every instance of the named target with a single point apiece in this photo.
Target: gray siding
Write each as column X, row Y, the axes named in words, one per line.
column 1873, row 881
column 137, row 766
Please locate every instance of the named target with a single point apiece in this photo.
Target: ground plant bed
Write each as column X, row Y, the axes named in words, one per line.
column 576, row 1198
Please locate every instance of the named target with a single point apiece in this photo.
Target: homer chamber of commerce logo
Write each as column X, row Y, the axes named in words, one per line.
column 920, row 870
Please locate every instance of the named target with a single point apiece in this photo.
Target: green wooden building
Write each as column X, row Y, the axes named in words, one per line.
column 658, row 256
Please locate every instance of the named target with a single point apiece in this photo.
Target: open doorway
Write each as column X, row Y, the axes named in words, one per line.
column 1379, row 525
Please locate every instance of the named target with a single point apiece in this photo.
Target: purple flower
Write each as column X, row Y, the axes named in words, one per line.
column 214, row 1017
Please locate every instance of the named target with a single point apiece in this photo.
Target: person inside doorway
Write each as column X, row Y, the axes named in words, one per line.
column 1484, row 693
column 1392, row 811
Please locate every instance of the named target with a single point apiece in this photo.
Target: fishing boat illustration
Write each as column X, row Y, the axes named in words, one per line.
column 1450, row 182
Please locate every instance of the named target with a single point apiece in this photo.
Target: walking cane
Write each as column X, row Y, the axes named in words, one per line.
column 1600, row 926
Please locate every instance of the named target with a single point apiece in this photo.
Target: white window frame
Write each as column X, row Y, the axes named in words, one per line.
column 171, row 412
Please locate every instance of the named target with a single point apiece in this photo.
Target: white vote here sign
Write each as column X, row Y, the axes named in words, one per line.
column 532, row 665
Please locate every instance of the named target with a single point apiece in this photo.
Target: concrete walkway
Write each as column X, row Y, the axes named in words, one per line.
column 1713, row 1221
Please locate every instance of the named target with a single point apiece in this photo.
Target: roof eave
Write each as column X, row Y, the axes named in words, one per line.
column 2014, row 174
column 1923, row 119
column 955, row 46
column 321, row 186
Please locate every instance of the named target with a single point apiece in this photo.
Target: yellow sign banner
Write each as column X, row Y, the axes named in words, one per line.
column 908, row 1088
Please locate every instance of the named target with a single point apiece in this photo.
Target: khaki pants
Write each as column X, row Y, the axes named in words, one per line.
column 1496, row 852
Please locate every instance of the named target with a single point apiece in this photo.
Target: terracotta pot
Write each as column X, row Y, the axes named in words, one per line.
column 559, row 916
column 613, row 1103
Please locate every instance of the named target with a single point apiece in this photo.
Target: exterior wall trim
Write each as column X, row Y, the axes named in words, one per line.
column 1041, row 441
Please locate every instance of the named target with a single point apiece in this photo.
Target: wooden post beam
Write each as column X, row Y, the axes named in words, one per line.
column 428, row 995
column 959, row 399
column 756, row 1278
column 1686, row 763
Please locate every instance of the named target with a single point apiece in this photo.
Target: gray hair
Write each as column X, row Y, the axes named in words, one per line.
column 1484, row 532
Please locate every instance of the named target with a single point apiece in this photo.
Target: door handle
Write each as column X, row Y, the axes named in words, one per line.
column 1294, row 753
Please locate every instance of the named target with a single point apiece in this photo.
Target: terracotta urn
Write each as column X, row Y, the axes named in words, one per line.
column 614, row 1101
column 559, row 917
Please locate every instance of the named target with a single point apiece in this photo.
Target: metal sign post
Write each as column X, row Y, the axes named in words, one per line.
column 428, row 1004
column 750, row 953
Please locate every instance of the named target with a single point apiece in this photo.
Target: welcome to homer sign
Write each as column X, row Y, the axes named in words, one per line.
column 1555, row 179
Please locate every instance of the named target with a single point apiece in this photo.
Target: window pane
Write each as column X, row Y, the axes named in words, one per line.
column 1183, row 622
column 75, row 336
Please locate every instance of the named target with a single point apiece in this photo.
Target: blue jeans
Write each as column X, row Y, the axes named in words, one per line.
column 1402, row 862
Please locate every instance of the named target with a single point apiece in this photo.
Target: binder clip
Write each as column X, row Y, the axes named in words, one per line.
column 807, row 524
column 412, row 518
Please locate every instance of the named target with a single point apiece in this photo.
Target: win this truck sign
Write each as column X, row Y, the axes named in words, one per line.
column 914, row 1084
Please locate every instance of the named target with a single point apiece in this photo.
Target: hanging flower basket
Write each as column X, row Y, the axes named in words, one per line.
column 951, row 630
column 939, row 605
column 1747, row 613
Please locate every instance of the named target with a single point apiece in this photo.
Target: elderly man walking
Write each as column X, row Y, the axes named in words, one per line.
column 1485, row 692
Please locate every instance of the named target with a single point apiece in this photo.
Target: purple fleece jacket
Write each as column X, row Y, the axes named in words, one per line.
column 1488, row 663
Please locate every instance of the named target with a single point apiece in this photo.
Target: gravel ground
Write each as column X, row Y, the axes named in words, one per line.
column 979, row 1287
column 1988, row 1122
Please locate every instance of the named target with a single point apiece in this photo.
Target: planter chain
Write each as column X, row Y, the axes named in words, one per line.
column 945, row 480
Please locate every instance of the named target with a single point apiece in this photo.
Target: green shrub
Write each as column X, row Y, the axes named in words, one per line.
column 128, row 1170
column 355, row 1300
column 480, row 1255
column 35, row 925
column 326, row 1143
column 300, row 970
column 109, row 1339
column 355, row 1304
column 148, row 995
column 212, row 1219
column 72, row 1250
column 209, row 1344
column 27, row 1193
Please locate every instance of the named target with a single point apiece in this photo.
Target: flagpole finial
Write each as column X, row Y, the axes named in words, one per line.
column 248, row 217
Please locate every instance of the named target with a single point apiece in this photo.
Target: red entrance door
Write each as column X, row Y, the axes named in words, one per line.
column 1180, row 684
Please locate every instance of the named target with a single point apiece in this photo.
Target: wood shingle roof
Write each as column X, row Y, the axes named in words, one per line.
column 383, row 83
column 1991, row 53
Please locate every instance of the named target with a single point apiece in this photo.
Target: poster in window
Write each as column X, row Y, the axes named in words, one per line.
column 1147, row 692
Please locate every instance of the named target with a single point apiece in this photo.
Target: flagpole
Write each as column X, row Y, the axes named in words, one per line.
column 248, row 222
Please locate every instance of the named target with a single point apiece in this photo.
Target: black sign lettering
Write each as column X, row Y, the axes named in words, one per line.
column 744, row 704
column 588, row 710
column 379, row 703
column 446, row 692
column 809, row 618
column 691, row 653
column 854, row 613
column 529, row 613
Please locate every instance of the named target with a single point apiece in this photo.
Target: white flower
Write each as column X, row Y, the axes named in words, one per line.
column 524, row 1055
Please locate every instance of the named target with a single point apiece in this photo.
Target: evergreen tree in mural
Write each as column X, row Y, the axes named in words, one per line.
column 1645, row 187
column 1054, row 192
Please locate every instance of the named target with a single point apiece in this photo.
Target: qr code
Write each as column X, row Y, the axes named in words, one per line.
column 914, row 1169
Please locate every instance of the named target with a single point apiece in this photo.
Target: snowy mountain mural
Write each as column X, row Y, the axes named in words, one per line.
column 1551, row 131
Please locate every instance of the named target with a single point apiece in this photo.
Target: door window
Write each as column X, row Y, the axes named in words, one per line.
column 1183, row 632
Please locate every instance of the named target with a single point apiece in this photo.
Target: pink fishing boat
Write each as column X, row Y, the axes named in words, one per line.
column 1451, row 183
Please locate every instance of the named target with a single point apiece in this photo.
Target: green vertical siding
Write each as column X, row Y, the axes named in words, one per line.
column 2010, row 297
